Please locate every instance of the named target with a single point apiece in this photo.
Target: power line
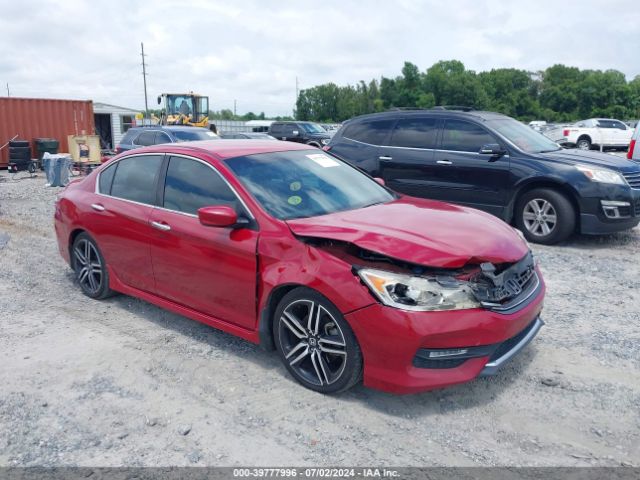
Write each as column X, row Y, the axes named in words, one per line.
column 144, row 78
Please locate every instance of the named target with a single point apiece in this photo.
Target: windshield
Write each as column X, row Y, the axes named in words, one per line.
column 312, row 128
column 305, row 183
column 523, row 137
column 192, row 135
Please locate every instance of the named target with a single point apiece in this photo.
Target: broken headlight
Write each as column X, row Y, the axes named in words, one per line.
column 409, row 292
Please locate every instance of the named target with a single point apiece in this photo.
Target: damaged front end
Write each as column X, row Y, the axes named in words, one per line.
column 399, row 284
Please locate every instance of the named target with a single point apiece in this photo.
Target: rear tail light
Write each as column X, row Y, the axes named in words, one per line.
column 632, row 145
column 119, row 150
column 565, row 132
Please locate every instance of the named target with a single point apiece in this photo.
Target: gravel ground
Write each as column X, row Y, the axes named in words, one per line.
column 121, row 382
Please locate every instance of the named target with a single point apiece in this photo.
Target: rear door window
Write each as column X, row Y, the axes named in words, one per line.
column 464, row 136
column 129, row 137
column 162, row 137
column 135, row 178
column 415, row 133
column 288, row 129
column 146, row 138
column 106, row 179
column 190, row 185
column 276, row 129
column 373, row 132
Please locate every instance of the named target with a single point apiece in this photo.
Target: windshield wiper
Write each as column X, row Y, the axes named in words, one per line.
column 549, row 151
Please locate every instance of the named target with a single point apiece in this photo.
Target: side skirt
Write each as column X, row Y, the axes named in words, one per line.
column 116, row 285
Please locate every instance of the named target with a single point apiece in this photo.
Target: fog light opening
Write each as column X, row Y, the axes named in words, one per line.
column 447, row 353
column 611, row 208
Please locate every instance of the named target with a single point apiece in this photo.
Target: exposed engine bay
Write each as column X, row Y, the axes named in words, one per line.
column 492, row 285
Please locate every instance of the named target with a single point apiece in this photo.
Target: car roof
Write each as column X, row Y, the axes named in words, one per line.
column 227, row 148
column 478, row 114
column 169, row 127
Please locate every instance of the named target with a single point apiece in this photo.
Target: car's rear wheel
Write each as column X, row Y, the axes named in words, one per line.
column 90, row 267
column 315, row 342
column 545, row 216
column 584, row 143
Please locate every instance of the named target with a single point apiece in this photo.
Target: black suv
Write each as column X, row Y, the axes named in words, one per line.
column 495, row 163
column 301, row 132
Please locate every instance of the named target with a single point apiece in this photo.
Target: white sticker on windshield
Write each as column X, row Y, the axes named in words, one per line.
column 323, row 160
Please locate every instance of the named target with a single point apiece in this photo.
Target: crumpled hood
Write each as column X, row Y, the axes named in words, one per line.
column 423, row 232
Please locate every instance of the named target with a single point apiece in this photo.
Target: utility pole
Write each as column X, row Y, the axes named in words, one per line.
column 8, row 92
column 144, row 78
column 295, row 108
column 234, row 107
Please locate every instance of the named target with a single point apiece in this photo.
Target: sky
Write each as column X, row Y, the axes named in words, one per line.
column 251, row 52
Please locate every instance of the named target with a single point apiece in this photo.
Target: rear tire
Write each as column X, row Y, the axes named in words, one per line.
column 583, row 143
column 90, row 268
column 545, row 216
column 315, row 342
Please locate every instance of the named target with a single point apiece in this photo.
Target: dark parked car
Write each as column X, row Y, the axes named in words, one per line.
column 289, row 247
column 301, row 132
column 495, row 163
column 246, row 136
column 137, row 137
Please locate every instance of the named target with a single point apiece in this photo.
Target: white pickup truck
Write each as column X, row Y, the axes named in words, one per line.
column 592, row 133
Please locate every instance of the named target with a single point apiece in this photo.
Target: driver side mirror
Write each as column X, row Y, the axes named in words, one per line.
column 159, row 100
column 493, row 149
column 217, row 216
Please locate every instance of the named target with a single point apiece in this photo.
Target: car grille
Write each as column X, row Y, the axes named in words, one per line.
column 633, row 179
column 637, row 208
column 503, row 290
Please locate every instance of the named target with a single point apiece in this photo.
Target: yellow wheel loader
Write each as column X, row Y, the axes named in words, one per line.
column 184, row 109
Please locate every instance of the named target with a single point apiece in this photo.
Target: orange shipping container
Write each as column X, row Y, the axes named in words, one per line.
column 31, row 118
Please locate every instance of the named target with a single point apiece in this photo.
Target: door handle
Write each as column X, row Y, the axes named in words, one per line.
column 97, row 207
column 385, row 157
column 444, row 162
column 161, row 226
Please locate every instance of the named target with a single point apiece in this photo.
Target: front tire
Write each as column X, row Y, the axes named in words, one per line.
column 545, row 216
column 90, row 268
column 315, row 342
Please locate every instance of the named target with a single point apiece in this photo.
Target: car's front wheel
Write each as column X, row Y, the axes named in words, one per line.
column 315, row 342
column 545, row 216
column 90, row 268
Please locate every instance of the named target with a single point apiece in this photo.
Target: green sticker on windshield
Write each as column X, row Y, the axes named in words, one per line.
column 295, row 200
column 295, row 186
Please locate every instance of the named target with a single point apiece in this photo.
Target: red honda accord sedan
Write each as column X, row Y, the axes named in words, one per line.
column 287, row 246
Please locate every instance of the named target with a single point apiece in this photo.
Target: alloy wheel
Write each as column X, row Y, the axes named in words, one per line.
column 88, row 266
column 584, row 145
column 540, row 217
column 312, row 342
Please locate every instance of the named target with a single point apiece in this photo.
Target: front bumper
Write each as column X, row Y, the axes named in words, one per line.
column 594, row 218
column 391, row 339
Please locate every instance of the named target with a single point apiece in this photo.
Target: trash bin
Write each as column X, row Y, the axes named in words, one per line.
column 56, row 167
column 44, row 145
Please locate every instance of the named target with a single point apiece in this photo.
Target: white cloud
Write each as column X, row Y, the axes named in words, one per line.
column 253, row 51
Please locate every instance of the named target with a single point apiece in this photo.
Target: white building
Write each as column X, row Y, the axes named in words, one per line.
column 112, row 122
